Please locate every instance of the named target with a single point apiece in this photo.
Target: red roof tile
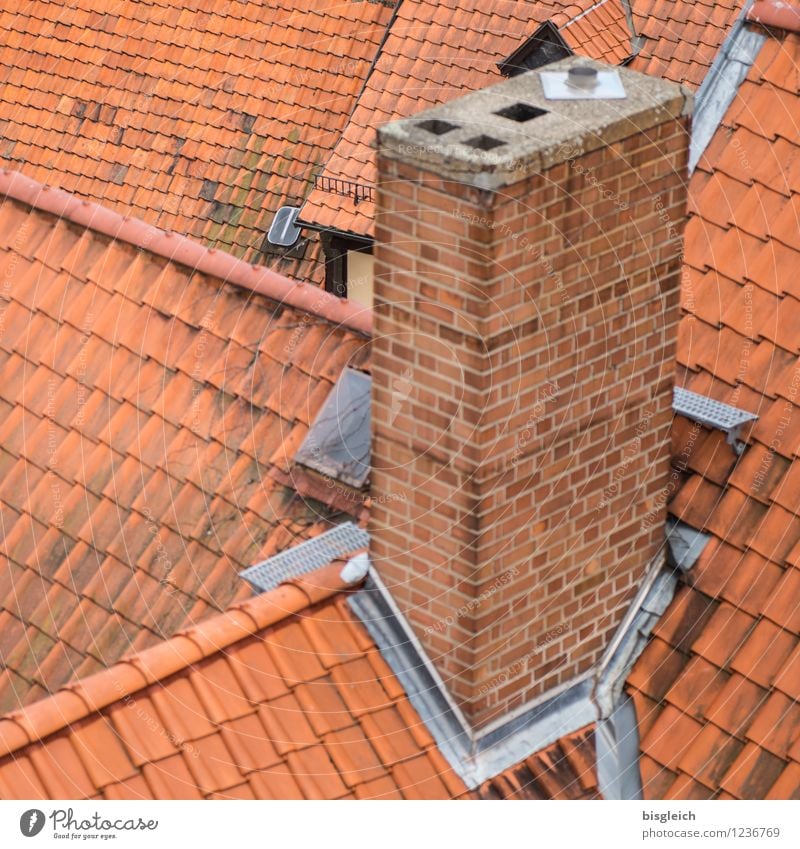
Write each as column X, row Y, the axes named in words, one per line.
column 110, row 546
column 224, row 711
column 203, row 121
column 681, row 38
column 737, row 681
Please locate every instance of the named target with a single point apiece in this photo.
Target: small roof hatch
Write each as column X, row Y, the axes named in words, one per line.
column 338, row 444
column 545, row 46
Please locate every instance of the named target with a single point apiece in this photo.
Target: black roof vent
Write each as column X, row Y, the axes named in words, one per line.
column 545, row 46
column 338, row 444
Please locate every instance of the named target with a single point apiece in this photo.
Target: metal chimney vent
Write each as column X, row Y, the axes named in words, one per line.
column 707, row 411
column 582, row 82
column 306, row 556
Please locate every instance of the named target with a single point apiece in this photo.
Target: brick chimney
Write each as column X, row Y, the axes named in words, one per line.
column 528, row 255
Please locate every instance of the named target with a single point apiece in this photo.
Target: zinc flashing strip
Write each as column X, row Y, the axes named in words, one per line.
column 617, row 754
column 475, row 758
column 721, row 83
column 401, row 649
column 597, row 696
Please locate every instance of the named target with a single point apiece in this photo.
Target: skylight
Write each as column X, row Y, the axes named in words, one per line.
column 338, row 444
column 545, row 46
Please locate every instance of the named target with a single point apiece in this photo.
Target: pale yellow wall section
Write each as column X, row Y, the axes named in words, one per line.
column 360, row 274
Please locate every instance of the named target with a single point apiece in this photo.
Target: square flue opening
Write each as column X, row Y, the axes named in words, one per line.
column 483, row 142
column 521, row 112
column 437, row 126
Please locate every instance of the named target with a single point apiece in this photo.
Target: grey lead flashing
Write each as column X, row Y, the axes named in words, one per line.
column 685, row 544
column 596, row 697
column 684, row 547
column 648, row 607
column 617, row 753
column 399, row 647
column 306, row 557
column 474, row 757
column 726, row 74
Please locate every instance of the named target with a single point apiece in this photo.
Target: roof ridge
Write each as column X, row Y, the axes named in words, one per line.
column 87, row 696
column 779, row 14
column 185, row 251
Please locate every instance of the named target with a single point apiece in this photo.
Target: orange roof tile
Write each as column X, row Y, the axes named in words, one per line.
column 601, row 32
column 131, row 441
column 202, row 121
column 681, row 39
column 241, row 706
column 564, row 770
column 433, row 52
column 719, row 708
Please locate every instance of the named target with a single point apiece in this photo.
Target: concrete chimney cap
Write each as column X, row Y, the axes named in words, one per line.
column 501, row 134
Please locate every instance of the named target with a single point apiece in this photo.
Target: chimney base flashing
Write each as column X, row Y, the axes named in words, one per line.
column 597, row 696
column 476, row 756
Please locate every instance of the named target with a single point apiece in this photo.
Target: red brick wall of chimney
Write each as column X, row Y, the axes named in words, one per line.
column 522, row 374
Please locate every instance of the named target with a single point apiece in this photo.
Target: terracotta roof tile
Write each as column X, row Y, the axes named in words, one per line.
column 119, row 495
column 711, row 755
column 725, row 634
column 752, row 774
column 211, row 116
column 736, row 705
column 776, row 727
column 656, row 779
column 764, row 653
column 697, row 687
column 671, row 736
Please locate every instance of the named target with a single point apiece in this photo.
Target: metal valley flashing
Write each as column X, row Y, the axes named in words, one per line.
column 596, row 697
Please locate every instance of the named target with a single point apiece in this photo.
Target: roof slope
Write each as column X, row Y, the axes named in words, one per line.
column 565, row 770
column 681, row 37
column 200, row 118
column 143, row 408
column 717, row 688
column 602, row 32
column 435, row 51
column 284, row 696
